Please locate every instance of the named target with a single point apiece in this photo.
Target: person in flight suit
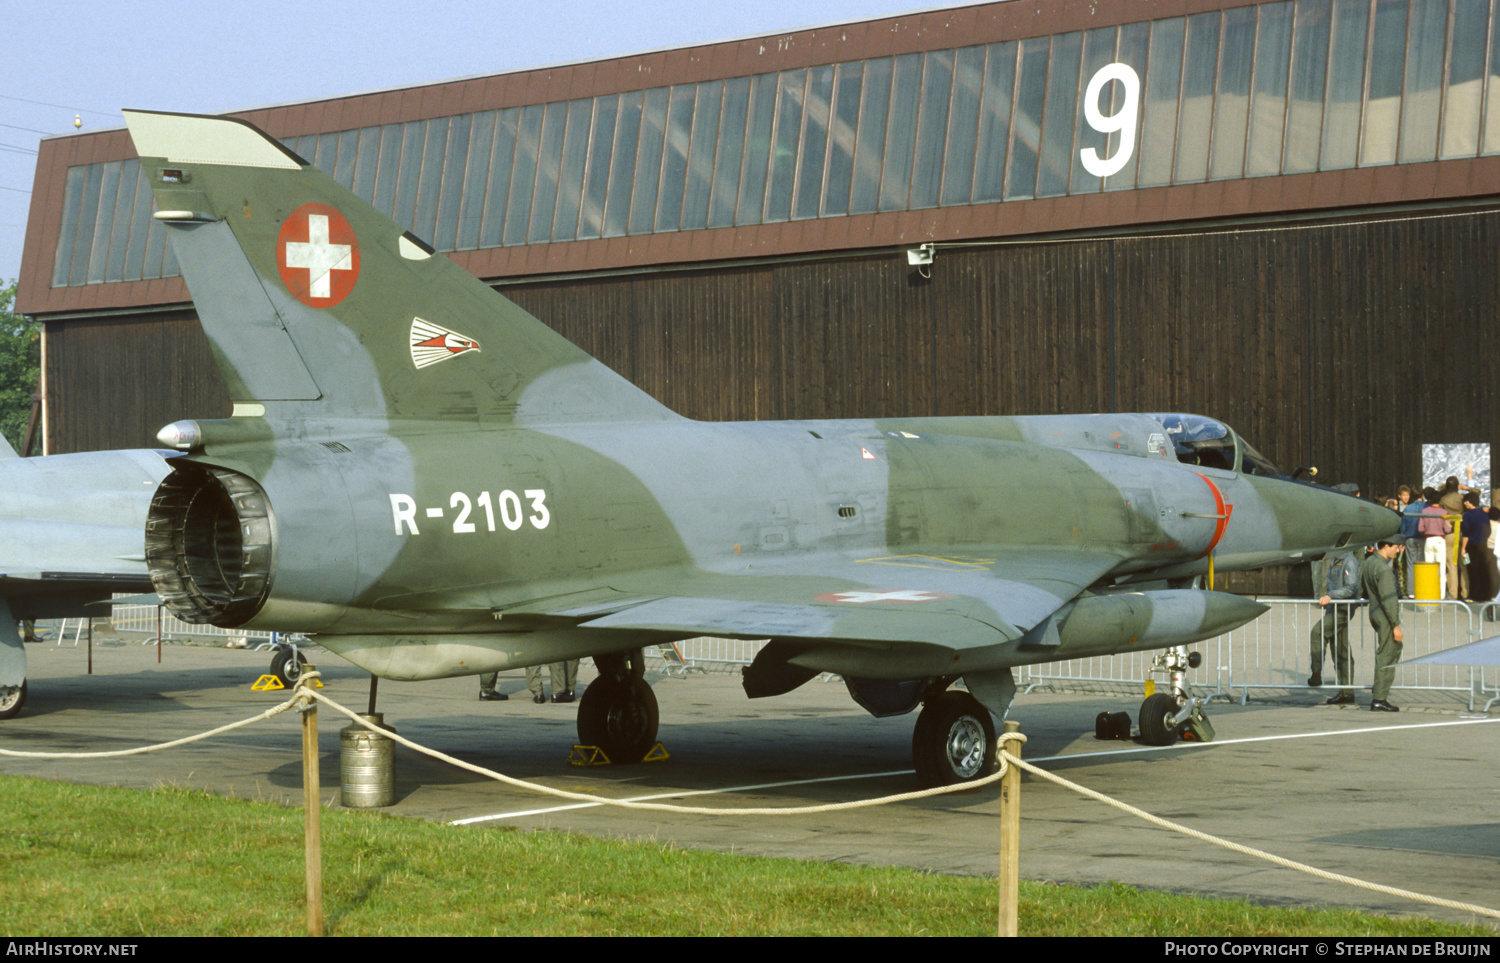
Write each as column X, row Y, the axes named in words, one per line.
column 1378, row 583
column 1332, row 631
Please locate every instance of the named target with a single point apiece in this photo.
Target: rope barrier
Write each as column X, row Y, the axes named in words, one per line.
column 185, row 740
column 1250, row 851
column 668, row 807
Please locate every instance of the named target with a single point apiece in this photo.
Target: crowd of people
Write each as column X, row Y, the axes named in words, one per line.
column 1464, row 552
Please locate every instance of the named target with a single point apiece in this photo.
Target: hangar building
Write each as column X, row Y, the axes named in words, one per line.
column 1282, row 214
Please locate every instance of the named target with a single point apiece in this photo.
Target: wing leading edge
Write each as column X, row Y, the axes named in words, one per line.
column 935, row 601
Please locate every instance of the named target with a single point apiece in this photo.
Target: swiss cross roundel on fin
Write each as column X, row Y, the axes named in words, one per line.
column 431, row 343
column 317, row 255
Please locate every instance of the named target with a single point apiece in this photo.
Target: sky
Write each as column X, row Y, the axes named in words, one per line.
column 88, row 60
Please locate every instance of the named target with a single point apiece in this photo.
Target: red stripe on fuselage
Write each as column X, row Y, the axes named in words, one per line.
column 1224, row 512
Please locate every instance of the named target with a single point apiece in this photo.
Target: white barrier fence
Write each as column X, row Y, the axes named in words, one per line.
column 1274, row 652
column 144, row 623
column 143, row 619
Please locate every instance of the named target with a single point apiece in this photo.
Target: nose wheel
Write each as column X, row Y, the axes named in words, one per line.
column 1159, row 719
column 1176, row 713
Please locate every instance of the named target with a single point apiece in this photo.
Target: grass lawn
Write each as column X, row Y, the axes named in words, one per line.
column 91, row 861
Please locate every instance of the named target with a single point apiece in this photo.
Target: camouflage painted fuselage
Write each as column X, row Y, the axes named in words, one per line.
column 936, row 543
column 436, row 483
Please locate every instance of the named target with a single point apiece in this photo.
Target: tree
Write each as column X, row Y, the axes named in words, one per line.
column 20, row 367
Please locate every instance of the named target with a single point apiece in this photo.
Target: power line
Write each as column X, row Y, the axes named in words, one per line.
column 43, row 103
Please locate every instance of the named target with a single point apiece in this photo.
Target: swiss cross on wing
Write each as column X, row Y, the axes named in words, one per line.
column 865, row 597
column 318, row 255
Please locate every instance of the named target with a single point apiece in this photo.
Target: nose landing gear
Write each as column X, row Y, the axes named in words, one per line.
column 1176, row 713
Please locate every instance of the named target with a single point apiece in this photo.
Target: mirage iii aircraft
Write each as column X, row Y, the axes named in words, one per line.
column 435, row 483
column 70, row 534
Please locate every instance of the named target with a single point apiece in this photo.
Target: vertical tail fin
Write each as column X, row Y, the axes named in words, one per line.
column 317, row 305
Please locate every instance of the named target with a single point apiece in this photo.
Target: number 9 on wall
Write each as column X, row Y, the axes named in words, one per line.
column 1122, row 120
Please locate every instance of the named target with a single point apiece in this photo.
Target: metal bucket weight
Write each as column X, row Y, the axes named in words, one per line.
column 367, row 765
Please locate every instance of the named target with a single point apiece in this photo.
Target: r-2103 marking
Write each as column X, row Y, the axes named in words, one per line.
column 512, row 513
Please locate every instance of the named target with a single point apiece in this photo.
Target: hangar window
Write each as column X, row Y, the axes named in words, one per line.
column 1262, row 89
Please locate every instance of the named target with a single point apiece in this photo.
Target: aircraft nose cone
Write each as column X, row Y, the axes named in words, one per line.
column 1371, row 522
column 1338, row 520
column 1315, row 520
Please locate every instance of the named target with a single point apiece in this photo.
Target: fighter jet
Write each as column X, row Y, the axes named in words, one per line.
column 435, row 483
column 70, row 534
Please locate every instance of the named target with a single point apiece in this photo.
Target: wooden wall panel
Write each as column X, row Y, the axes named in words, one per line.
column 114, row 382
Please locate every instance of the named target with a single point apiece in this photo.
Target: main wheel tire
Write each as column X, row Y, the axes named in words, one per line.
column 954, row 740
column 1156, row 719
column 12, row 698
column 286, row 668
column 618, row 717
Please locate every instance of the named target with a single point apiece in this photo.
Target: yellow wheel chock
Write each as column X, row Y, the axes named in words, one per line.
column 595, row 756
column 270, row 683
column 587, row 756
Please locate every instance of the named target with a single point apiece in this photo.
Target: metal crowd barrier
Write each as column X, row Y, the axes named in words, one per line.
column 143, row 620
column 143, row 623
column 1273, row 653
column 704, row 655
column 1486, row 684
column 1123, row 673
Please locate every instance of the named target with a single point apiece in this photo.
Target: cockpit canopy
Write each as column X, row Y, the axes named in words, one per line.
column 1207, row 443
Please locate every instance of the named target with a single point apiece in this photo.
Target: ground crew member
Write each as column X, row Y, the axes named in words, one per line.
column 1332, row 631
column 1378, row 583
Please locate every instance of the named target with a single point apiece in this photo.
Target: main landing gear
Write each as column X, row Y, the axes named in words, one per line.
column 288, row 660
column 1175, row 713
column 618, row 711
column 954, row 740
column 12, row 698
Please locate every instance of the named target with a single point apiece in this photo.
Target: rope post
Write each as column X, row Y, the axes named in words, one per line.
column 312, row 835
column 1010, row 837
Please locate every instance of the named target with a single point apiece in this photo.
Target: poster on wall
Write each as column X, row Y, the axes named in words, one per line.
column 1470, row 464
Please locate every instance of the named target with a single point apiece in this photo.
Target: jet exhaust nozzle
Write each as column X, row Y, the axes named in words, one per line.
column 210, row 541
